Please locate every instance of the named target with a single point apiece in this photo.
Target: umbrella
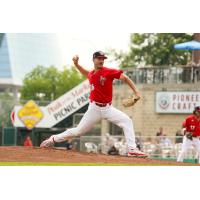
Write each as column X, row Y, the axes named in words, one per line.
column 192, row 45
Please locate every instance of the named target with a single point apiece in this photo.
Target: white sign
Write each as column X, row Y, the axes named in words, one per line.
column 177, row 102
column 61, row 108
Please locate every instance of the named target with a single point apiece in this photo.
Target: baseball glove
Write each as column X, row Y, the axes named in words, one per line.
column 131, row 101
column 189, row 135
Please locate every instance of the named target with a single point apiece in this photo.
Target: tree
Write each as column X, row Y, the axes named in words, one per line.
column 154, row 49
column 46, row 84
column 7, row 103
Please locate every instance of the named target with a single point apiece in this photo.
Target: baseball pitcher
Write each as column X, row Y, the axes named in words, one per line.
column 100, row 106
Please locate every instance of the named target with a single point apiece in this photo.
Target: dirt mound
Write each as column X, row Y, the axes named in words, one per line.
column 29, row 154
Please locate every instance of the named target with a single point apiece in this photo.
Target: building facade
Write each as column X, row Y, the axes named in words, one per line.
column 150, row 81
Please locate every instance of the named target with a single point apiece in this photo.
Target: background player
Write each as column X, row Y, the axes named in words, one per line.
column 100, row 107
column 192, row 134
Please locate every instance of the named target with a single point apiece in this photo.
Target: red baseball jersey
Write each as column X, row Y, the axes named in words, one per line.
column 101, row 84
column 192, row 125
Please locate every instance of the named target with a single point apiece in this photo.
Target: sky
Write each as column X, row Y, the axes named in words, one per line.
column 85, row 44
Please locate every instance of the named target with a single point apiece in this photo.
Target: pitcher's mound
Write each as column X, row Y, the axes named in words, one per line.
column 37, row 155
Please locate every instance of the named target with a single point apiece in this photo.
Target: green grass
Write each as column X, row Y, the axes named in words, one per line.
column 74, row 164
column 70, row 164
column 56, row 164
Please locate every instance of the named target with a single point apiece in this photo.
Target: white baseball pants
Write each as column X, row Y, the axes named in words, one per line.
column 93, row 115
column 187, row 143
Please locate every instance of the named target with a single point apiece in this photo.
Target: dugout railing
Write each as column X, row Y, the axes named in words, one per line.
column 156, row 147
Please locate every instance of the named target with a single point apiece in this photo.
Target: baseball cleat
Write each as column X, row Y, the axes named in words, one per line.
column 48, row 143
column 137, row 153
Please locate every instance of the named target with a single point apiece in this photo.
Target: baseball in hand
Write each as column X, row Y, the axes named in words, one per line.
column 75, row 59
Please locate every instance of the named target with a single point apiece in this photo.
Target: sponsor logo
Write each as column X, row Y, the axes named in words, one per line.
column 30, row 114
column 164, row 101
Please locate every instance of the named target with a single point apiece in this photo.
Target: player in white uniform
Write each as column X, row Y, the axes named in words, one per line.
column 191, row 129
column 100, row 107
